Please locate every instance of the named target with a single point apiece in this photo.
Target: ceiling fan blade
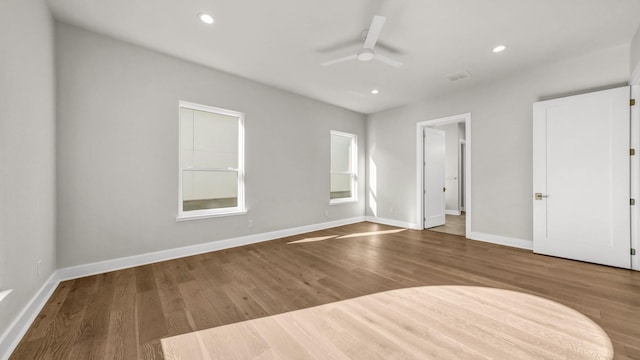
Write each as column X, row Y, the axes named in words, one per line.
column 388, row 60
column 343, row 59
column 374, row 31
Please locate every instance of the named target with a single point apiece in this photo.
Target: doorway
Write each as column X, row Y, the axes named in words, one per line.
column 444, row 174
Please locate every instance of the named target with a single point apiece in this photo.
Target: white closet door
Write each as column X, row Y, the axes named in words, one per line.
column 434, row 166
column 581, row 177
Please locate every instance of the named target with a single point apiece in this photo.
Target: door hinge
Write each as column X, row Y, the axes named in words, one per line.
column 632, row 152
column 632, row 102
column 633, row 251
column 632, row 201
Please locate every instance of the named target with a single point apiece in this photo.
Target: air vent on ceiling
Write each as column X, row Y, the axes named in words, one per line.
column 459, row 76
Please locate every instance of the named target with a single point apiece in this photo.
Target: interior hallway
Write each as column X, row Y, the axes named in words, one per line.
column 454, row 224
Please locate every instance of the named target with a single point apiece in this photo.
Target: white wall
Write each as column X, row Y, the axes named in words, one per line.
column 118, row 150
column 27, row 153
column 501, row 167
column 635, row 52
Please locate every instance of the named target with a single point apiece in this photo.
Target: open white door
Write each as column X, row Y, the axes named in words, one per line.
column 581, row 177
column 434, row 179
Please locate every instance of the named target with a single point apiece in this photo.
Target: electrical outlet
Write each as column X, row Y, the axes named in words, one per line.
column 326, row 213
column 391, row 210
column 250, row 224
column 38, row 265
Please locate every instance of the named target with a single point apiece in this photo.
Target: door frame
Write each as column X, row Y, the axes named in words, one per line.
column 466, row 118
column 635, row 169
column 462, row 173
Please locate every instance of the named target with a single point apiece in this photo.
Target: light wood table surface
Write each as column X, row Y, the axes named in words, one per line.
column 433, row 322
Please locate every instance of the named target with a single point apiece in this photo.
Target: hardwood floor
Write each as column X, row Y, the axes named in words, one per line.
column 124, row 314
column 425, row 322
column 454, row 224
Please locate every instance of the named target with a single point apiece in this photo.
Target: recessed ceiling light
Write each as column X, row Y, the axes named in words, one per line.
column 206, row 18
column 375, row 91
column 499, row 48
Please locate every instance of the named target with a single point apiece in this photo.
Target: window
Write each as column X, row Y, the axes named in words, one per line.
column 344, row 178
column 211, row 170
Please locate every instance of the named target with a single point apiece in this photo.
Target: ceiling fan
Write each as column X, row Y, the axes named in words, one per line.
column 367, row 53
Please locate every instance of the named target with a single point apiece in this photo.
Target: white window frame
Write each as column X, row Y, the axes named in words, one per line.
column 209, row 213
column 353, row 173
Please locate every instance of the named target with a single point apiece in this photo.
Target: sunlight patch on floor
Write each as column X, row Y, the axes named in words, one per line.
column 408, row 323
column 370, row 233
column 320, row 238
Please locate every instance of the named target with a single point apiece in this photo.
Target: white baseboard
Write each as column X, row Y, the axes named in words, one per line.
column 452, row 212
column 22, row 322
column 75, row 272
column 392, row 222
column 501, row 240
column 20, row 325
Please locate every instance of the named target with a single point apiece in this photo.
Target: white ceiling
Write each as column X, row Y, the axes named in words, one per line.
column 282, row 42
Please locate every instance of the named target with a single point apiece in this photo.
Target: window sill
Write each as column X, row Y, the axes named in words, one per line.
column 186, row 217
column 342, row 201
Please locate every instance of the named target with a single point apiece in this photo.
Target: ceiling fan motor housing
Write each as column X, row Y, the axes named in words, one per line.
column 365, row 54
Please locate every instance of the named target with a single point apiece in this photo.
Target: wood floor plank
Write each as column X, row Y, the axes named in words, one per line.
column 125, row 314
column 151, row 318
column 122, row 338
column 66, row 326
column 92, row 334
column 43, row 323
column 151, row 350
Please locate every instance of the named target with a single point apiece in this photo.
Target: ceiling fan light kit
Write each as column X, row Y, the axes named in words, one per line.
column 366, row 53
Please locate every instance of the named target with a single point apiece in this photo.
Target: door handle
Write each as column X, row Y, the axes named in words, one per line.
column 444, row 189
column 539, row 196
